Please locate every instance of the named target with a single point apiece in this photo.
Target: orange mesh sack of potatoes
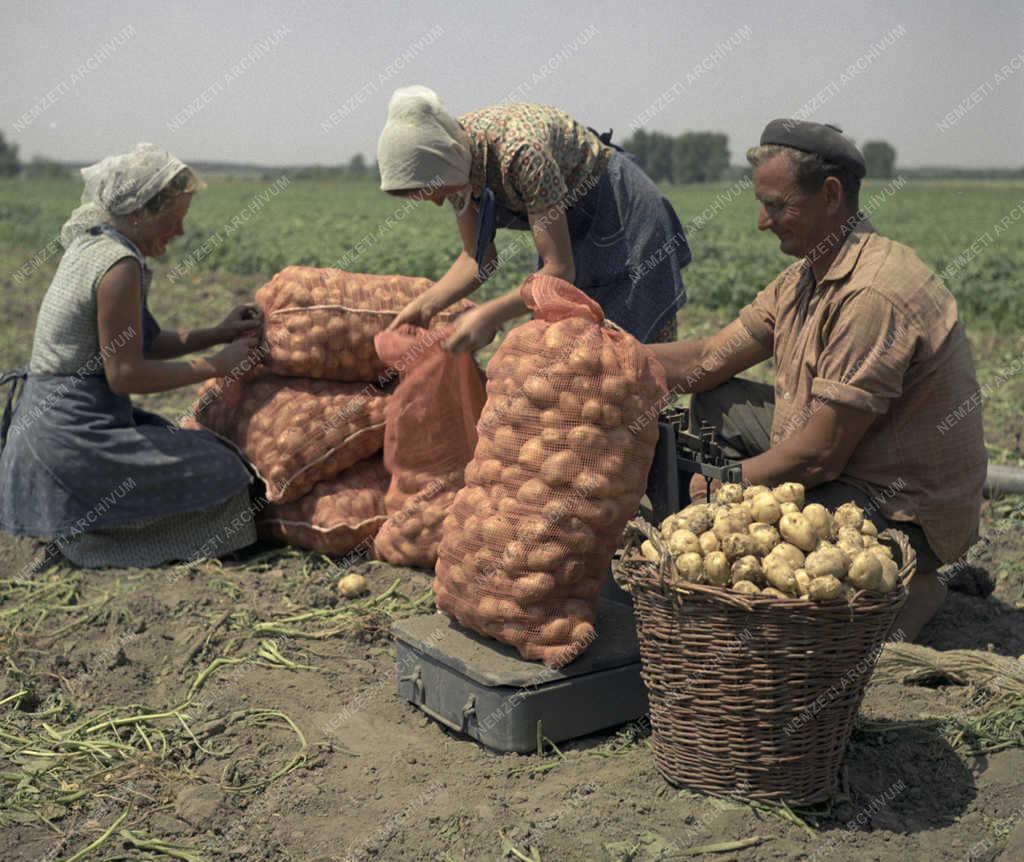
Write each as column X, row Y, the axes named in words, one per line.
column 429, row 439
column 556, row 474
column 321, row 322
column 337, row 516
column 294, row 432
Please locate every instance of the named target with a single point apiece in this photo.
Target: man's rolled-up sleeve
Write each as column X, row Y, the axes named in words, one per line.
column 869, row 348
column 758, row 318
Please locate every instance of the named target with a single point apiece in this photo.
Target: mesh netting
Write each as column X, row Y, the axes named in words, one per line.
column 566, row 439
column 337, row 516
column 294, row 432
column 321, row 322
column 429, row 438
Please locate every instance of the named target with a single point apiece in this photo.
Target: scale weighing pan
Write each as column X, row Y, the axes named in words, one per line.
column 481, row 688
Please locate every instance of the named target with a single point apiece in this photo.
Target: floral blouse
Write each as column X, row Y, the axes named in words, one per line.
column 533, row 157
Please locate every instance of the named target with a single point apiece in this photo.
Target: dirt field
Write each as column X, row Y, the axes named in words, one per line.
column 189, row 772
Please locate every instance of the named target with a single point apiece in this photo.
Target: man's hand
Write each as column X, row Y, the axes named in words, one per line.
column 699, row 489
column 242, row 319
column 473, row 330
column 418, row 312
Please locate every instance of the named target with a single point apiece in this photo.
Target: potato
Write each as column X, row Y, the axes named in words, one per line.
column 649, row 552
column 819, row 518
column 741, row 511
column 789, row 553
column 851, row 549
column 868, row 528
column 729, row 493
column 765, row 536
column 716, row 568
column 890, row 576
column 789, row 492
column 736, row 545
column 825, row 589
column 697, row 518
column 797, row 530
column 765, row 509
column 774, row 593
column 865, row 572
column 352, row 585
column 708, row 542
column 746, row 568
column 754, row 490
column 848, row 515
column 532, row 454
column 727, row 523
column 803, row 581
column 746, row 587
column 789, row 508
column 533, row 492
column 546, row 557
column 690, row 567
column 849, row 536
column 559, row 469
column 683, row 541
column 881, row 551
column 780, row 575
column 827, row 561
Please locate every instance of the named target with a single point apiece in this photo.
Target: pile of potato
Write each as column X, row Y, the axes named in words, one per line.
column 765, row 541
column 321, row 322
column 337, row 515
column 556, row 473
column 295, row 432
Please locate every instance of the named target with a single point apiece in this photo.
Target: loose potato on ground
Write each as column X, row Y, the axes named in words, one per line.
column 797, row 530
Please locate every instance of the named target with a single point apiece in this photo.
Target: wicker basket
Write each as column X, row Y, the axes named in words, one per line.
column 754, row 696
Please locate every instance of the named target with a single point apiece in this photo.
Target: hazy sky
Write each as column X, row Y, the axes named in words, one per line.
column 288, row 83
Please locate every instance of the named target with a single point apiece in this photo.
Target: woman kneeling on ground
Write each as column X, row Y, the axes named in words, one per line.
column 112, row 484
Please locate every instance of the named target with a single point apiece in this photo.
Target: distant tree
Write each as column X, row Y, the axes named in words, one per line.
column 9, row 164
column 637, row 145
column 659, row 157
column 43, row 168
column 700, row 157
column 880, row 159
column 357, row 166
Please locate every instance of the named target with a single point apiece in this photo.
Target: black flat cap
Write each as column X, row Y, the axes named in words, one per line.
column 820, row 138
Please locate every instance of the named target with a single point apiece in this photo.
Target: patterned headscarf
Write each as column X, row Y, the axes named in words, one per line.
column 421, row 144
column 119, row 185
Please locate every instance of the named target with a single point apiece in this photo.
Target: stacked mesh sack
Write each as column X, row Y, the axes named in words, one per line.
column 559, row 467
column 310, row 420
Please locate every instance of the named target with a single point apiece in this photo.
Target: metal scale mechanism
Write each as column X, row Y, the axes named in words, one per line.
column 481, row 688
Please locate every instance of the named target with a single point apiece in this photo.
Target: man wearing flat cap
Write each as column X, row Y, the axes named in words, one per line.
column 870, row 360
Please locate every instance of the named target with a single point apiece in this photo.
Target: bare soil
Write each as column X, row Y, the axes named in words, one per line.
column 378, row 780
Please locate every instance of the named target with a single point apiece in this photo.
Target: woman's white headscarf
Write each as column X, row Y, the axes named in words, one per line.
column 119, row 185
column 421, row 144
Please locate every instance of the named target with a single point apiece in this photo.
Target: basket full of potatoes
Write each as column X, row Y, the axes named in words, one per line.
column 766, row 541
column 759, row 620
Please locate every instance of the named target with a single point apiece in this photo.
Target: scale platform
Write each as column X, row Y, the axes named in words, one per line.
column 478, row 687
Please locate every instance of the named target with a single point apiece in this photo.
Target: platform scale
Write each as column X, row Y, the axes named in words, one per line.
column 481, row 688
